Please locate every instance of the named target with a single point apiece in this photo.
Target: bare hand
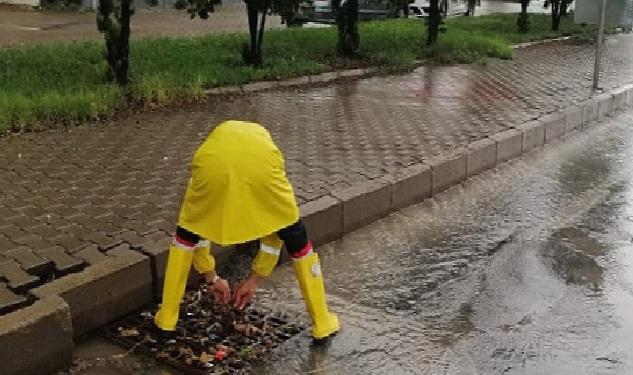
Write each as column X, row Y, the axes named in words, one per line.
column 245, row 292
column 221, row 291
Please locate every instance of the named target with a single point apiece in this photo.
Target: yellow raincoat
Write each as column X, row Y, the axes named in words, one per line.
column 238, row 191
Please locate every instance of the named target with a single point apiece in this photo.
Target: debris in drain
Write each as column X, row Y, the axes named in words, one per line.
column 209, row 339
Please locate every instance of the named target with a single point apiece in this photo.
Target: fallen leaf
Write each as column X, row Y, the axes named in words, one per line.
column 129, row 332
column 205, row 357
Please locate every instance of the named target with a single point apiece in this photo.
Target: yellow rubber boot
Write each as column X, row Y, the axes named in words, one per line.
column 308, row 273
column 176, row 274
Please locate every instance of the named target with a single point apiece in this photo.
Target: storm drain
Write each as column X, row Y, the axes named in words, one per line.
column 210, row 338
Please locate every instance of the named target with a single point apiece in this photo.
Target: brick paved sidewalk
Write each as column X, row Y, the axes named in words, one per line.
column 73, row 198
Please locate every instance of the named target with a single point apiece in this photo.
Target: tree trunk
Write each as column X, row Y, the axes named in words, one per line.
column 555, row 4
column 564, row 7
column 471, row 7
column 259, row 60
column 347, row 22
column 524, row 19
column 434, row 22
column 124, row 44
column 249, row 52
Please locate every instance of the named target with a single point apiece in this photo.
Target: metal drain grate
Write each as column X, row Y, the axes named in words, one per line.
column 210, row 338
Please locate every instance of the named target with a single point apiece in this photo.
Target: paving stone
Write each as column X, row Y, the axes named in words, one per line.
column 120, row 250
column 91, row 255
column 102, row 240
column 67, row 242
column 64, row 263
column 30, row 262
column 132, row 239
column 18, row 280
column 9, row 301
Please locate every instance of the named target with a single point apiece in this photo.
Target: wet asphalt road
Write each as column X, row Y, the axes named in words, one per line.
column 526, row 269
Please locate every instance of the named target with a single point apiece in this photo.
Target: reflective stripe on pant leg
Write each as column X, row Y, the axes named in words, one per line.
column 203, row 260
column 268, row 255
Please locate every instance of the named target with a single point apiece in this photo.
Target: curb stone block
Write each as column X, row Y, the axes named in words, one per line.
column 157, row 252
column 411, row 185
column 448, row 170
column 324, row 219
column 606, row 105
column 574, row 118
column 259, row 86
column 619, row 99
column 323, row 77
column 555, row 125
column 509, row 144
column 364, row 203
column 37, row 339
column 533, row 135
column 351, row 73
column 482, row 155
column 372, row 70
column 295, row 81
column 213, row 91
column 629, row 94
column 237, row 89
column 104, row 291
column 589, row 111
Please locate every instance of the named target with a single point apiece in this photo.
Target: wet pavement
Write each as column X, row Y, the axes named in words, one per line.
column 525, row 269
column 25, row 27
column 71, row 197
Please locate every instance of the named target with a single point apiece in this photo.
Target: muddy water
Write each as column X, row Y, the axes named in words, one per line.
column 523, row 270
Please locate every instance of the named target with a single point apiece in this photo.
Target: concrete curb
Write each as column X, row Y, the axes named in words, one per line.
column 104, row 291
column 37, row 339
column 129, row 279
column 321, row 78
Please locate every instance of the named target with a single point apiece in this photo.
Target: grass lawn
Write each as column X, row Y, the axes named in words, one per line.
column 64, row 83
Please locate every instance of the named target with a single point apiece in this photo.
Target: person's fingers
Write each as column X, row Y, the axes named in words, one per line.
column 237, row 299
column 245, row 299
column 226, row 296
